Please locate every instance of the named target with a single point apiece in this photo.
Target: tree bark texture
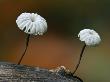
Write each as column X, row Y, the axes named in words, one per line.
column 10, row 72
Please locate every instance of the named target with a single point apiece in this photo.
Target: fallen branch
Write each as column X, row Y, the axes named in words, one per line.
column 10, row 72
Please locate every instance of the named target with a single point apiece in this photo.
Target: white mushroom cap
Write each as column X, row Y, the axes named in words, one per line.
column 32, row 23
column 90, row 37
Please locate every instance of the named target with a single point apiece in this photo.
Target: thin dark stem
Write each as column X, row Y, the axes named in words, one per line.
column 81, row 54
column 27, row 42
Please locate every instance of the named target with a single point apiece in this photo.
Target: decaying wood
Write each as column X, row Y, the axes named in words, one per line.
column 10, row 72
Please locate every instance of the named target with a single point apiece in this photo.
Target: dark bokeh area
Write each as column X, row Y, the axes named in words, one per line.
column 60, row 44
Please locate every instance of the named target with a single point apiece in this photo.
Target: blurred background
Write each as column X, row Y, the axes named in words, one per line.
column 60, row 44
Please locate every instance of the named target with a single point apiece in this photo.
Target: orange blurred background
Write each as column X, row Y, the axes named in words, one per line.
column 60, row 44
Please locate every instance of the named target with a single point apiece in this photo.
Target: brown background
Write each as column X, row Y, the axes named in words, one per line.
column 59, row 45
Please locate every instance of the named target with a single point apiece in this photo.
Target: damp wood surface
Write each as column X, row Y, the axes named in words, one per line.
column 10, row 72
